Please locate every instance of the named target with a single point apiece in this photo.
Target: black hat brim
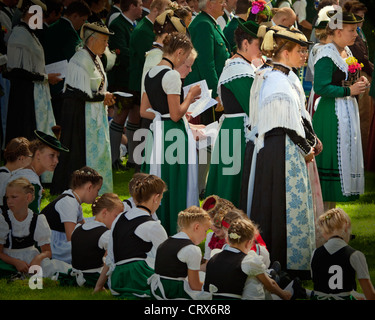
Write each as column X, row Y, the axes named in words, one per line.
column 50, row 141
column 346, row 17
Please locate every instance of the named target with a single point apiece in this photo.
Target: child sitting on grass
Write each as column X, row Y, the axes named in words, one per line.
column 178, row 259
column 135, row 237
column 217, row 208
column 17, row 155
column 335, row 265
column 237, row 269
column 65, row 212
column 89, row 244
column 21, row 230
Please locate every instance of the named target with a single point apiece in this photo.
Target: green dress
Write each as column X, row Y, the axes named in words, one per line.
column 225, row 176
column 328, row 75
column 170, row 149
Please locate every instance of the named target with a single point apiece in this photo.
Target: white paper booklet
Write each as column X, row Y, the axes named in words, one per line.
column 210, row 131
column 57, row 67
column 204, row 102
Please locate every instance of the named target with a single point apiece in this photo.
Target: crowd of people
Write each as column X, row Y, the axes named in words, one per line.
column 281, row 157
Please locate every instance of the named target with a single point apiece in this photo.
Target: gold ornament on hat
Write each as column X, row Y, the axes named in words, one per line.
column 176, row 21
column 95, row 27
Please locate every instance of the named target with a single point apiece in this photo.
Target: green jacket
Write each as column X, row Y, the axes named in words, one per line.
column 229, row 32
column 213, row 50
column 119, row 43
column 141, row 41
column 60, row 43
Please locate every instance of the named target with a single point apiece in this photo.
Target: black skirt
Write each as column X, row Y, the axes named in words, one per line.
column 73, row 135
column 268, row 209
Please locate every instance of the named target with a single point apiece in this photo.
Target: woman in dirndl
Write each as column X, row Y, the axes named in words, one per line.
column 173, row 156
column 84, row 121
column 29, row 106
column 281, row 200
column 336, row 119
column 234, row 90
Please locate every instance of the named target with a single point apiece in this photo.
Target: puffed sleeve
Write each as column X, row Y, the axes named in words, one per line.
column 42, row 233
column 191, row 255
column 253, row 264
column 4, row 229
column 104, row 240
column 358, row 261
column 171, row 82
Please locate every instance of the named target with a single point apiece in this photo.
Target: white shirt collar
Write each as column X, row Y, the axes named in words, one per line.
column 181, row 235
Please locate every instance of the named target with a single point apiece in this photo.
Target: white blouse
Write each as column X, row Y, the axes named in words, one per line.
column 21, row 228
column 190, row 254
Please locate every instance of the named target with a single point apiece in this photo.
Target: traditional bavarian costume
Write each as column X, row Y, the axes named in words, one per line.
column 85, row 128
column 20, row 238
column 180, row 174
column 135, row 236
column 174, row 258
column 89, row 244
column 231, row 274
column 65, row 208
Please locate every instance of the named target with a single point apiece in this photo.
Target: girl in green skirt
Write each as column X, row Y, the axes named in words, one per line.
column 135, row 236
column 171, row 154
column 178, row 259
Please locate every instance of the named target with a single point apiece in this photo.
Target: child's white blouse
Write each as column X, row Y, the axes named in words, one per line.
column 190, row 254
column 42, row 233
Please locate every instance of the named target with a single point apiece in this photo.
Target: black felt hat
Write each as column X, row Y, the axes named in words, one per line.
column 51, row 141
column 345, row 17
column 250, row 27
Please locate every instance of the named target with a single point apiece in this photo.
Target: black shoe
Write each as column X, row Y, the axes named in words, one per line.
column 298, row 291
column 276, row 266
column 17, row 276
column 118, row 166
column 201, row 195
column 273, row 274
column 130, row 165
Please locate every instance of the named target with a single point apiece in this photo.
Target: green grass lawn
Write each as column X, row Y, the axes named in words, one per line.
column 362, row 213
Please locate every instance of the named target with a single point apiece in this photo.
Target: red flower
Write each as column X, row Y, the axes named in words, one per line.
column 257, row 6
column 216, row 243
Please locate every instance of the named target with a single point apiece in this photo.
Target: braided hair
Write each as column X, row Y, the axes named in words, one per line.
column 84, row 175
column 144, row 188
column 15, row 148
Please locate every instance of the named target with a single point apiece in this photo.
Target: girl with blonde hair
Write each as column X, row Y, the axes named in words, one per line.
column 238, row 272
column 335, row 266
column 21, row 231
column 178, row 259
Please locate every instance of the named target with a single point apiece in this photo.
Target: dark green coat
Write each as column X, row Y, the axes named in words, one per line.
column 213, row 50
column 229, row 32
column 119, row 42
column 140, row 42
column 60, row 43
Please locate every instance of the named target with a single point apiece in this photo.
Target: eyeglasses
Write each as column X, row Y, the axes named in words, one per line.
column 303, row 52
